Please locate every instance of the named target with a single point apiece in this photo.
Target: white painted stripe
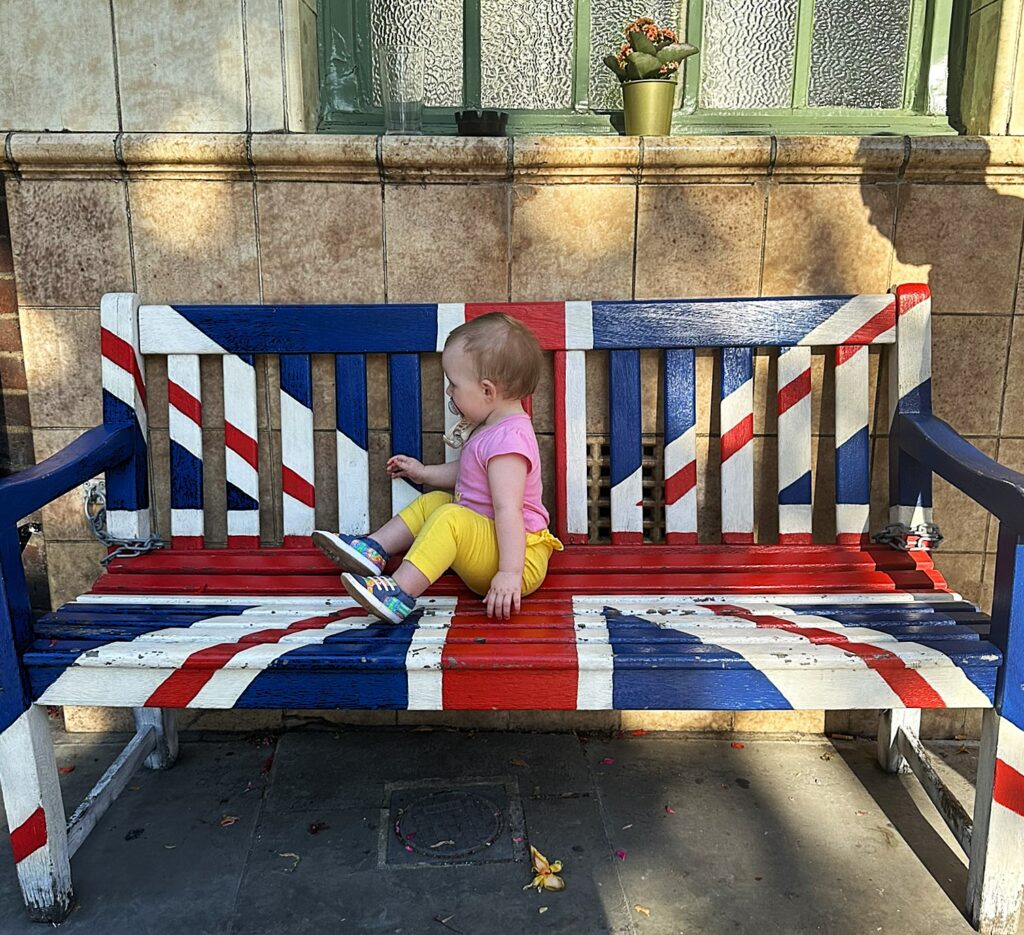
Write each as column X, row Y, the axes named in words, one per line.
column 577, row 513
column 186, row 522
column 128, row 524
column 162, row 330
column 297, row 454
column 681, row 516
column 795, row 518
column 738, row 491
column 242, row 474
column 847, row 320
column 794, row 444
column 121, row 384
column 185, row 432
column 425, row 679
column 851, row 396
column 243, row 522
column 737, row 405
column 1011, row 744
column 626, row 499
column 240, row 395
column 402, row 494
column 852, row 517
column 595, row 661
column 353, row 486
column 579, row 326
column 449, row 317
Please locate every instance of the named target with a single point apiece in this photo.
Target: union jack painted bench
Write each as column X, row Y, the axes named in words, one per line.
column 735, row 625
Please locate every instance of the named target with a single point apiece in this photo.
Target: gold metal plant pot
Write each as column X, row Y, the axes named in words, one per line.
column 648, row 106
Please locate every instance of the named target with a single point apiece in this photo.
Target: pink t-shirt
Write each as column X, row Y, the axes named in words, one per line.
column 512, row 435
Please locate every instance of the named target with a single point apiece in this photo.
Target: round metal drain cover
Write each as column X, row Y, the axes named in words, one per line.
column 449, row 825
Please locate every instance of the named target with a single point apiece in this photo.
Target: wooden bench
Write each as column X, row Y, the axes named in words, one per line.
column 625, row 625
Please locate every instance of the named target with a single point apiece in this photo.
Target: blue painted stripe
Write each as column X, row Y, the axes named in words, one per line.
column 766, row 322
column 680, row 393
column 737, row 368
column 186, row 479
column 128, row 483
column 853, row 479
column 350, row 387
column 237, row 500
column 624, row 406
column 798, row 493
column 250, row 359
column 404, row 401
column 297, row 378
column 919, row 399
column 307, row 329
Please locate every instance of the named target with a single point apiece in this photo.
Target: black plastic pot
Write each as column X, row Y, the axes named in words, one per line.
column 481, row 122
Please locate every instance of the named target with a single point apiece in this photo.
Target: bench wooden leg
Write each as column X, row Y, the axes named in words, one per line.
column 889, row 757
column 35, row 816
column 163, row 721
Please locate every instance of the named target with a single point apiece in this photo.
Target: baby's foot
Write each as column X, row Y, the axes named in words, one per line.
column 360, row 554
column 380, row 595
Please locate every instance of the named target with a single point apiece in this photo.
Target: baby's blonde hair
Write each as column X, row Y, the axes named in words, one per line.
column 502, row 350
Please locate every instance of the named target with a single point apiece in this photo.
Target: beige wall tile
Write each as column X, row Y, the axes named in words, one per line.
column 321, row 242
column 57, row 66
column 962, row 571
column 181, row 65
column 83, row 720
column 968, row 370
column 64, row 518
column 699, row 240
column 962, row 521
column 828, row 239
column 964, row 241
column 572, row 241
column 194, row 241
column 70, row 241
column 301, row 66
column 73, row 567
column 62, row 366
column 676, row 720
column 1013, row 395
column 447, row 243
column 266, row 79
column 780, row 722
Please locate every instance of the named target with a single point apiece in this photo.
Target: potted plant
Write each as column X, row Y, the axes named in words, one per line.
column 647, row 64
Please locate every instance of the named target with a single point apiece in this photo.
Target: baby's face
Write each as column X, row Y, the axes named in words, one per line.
column 464, row 387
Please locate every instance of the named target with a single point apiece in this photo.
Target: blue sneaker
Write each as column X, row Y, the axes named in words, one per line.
column 360, row 554
column 380, row 596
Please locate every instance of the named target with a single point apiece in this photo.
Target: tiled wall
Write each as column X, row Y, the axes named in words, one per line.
column 205, row 218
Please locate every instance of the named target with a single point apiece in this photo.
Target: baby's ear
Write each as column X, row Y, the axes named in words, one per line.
column 490, row 390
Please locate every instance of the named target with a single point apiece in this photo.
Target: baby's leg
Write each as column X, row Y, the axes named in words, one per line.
column 398, row 533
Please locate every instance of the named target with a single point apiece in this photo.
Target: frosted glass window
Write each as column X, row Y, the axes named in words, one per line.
column 526, row 53
column 607, row 20
column 434, row 25
column 858, row 53
column 748, row 53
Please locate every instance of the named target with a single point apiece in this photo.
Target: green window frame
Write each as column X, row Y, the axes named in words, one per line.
column 347, row 80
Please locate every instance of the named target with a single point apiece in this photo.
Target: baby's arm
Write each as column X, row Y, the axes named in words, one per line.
column 506, row 476
column 441, row 476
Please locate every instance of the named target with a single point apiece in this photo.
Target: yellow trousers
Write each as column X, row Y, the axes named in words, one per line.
column 456, row 537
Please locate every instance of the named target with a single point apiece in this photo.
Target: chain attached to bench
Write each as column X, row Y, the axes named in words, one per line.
column 923, row 536
column 94, row 504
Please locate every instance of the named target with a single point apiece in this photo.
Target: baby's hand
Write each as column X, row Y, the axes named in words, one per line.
column 404, row 466
column 504, row 594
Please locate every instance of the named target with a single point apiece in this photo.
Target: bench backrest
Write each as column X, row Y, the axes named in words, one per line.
column 848, row 325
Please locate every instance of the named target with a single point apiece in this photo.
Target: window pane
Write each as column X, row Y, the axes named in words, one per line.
column 607, row 20
column 747, row 58
column 858, row 53
column 435, row 25
column 526, row 53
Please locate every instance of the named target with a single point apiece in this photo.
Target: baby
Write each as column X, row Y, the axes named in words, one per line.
column 492, row 529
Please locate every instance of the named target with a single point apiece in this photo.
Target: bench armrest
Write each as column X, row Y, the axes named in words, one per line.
column 940, row 448
column 96, row 450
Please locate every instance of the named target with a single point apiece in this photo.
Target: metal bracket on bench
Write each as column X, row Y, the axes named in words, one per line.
column 94, row 503
column 924, row 537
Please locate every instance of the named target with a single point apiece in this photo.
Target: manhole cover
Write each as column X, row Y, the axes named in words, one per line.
column 437, row 822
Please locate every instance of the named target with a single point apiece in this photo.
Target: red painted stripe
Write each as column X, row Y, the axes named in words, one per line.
column 853, row 538
column 738, row 436
column 681, row 538
column 793, row 392
column 738, row 538
column 121, row 353
column 545, row 319
column 910, row 296
column 911, row 687
column 29, row 836
column 490, row 673
column 182, row 400
column 680, row 483
column 878, row 324
column 297, row 487
column 845, row 351
column 243, row 542
column 1008, row 790
column 795, row 538
column 242, row 445
column 298, row 542
column 627, row 538
column 182, row 686
column 187, row 543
